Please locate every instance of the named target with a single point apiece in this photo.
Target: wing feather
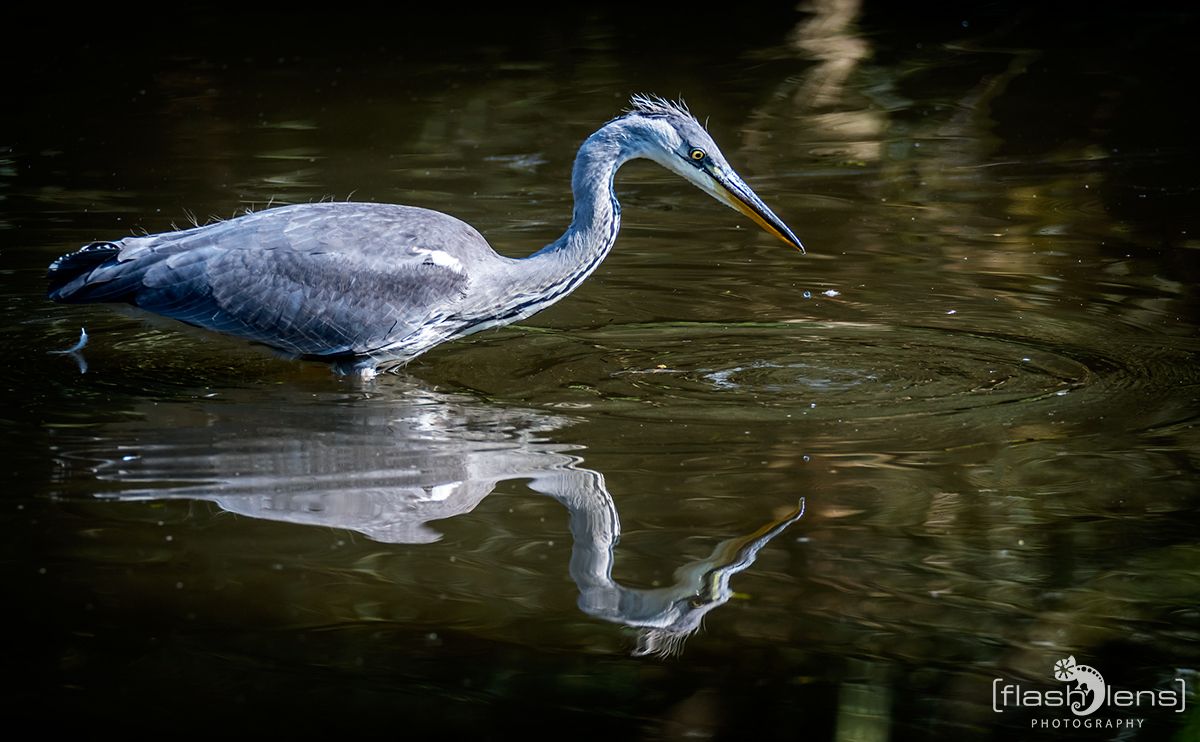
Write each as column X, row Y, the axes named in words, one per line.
column 320, row 279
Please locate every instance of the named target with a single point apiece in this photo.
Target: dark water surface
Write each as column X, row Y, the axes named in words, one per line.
column 982, row 380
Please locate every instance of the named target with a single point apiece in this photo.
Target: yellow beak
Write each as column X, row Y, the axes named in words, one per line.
column 734, row 191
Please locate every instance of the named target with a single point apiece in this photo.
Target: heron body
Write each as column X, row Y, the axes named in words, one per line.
column 367, row 287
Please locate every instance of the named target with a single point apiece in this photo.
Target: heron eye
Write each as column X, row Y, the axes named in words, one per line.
column 697, row 154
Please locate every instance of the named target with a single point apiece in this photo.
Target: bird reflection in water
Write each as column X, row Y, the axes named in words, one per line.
column 388, row 465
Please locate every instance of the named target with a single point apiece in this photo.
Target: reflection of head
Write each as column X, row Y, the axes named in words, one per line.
column 666, row 617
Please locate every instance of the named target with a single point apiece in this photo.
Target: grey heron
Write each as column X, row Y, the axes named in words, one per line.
column 368, row 287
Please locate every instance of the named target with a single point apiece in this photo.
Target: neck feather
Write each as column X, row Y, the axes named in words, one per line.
column 556, row 270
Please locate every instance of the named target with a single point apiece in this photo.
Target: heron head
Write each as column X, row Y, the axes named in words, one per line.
column 667, row 133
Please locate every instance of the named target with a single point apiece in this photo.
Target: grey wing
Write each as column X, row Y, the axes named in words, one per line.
column 321, row 280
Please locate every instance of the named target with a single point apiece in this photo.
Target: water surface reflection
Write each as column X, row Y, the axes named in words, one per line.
column 386, row 464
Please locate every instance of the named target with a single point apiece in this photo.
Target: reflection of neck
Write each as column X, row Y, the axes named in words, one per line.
column 669, row 614
column 595, row 527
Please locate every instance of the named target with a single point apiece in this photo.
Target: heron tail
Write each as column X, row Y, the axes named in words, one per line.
column 70, row 276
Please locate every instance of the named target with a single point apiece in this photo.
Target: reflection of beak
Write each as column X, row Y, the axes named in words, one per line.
column 734, row 191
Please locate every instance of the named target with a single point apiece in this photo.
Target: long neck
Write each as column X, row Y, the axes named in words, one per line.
column 556, row 270
column 597, row 215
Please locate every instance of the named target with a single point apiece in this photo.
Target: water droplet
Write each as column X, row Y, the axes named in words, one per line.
column 952, row 311
column 807, row 294
column 805, row 458
column 831, row 292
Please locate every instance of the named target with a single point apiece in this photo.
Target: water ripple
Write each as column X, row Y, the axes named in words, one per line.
column 873, row 371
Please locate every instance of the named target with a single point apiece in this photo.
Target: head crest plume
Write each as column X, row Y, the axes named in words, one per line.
column 653, row 105
column 662, row 642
